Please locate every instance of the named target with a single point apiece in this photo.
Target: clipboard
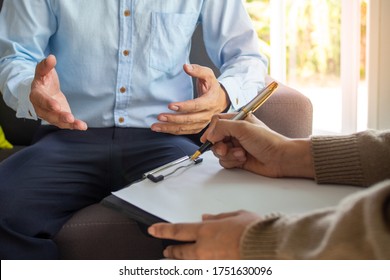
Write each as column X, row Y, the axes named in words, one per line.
column 209, row 188
column 156, row 175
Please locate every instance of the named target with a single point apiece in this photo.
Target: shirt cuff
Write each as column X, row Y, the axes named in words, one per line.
column 238, row 97
column 25, row 109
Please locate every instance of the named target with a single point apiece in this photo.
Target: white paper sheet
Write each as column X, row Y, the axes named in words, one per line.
column 209, row 188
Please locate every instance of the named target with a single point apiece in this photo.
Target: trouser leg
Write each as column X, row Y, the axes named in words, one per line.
column 140, row 150
column 43, row 185
column 64, row 171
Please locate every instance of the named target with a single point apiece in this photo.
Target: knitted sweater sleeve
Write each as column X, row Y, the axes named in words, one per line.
column 358, row 228
column 360, row 159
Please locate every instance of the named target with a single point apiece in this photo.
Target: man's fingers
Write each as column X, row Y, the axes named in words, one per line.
column 49, row 110
column 80, row 125
column 193, row 118
column 45, row 66
column 57, row 117
column 180, row 232
column 200, row 72
column 192, row 106
column 63, row 120
column 206, row 82
column 178, row 129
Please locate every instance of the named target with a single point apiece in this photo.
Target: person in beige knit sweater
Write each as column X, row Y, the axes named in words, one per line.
column 357, row 228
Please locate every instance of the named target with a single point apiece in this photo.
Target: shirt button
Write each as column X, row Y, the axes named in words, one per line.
column 121, row 120
column 127, row 13
column 126, row 52
column 122, row 89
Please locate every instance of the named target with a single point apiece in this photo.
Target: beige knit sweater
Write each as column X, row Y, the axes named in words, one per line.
column 357, row 228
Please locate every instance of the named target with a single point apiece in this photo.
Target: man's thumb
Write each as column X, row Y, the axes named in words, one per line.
column 45, row 66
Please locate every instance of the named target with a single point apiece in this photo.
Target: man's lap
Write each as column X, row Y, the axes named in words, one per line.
column 64, row 171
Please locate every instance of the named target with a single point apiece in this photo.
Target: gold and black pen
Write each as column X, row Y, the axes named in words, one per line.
column 251, row 107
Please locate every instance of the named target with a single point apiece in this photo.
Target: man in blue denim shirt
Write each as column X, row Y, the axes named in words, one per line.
column 107, row 80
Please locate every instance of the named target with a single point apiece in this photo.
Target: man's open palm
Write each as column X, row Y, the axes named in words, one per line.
column 49, row 102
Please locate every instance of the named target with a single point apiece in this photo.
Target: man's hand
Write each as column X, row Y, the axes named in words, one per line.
column 191, row 116
column 217, row 237
column 49, row 102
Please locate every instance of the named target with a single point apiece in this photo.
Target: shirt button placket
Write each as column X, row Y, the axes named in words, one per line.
column 123, row 94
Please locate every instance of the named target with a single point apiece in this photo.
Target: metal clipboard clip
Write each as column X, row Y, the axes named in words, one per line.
column 158, row 174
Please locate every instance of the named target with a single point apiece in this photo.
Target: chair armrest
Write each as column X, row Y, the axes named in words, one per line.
column 287, row 112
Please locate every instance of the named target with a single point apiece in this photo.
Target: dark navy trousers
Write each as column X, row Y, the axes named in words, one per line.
column 43, row 185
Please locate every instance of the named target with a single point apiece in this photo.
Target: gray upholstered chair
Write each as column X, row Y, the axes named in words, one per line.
column 97, row 232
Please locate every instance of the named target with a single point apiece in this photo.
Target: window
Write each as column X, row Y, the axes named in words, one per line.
column 318, row 47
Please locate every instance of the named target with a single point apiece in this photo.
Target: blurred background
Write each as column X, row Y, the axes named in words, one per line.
column 320, row 48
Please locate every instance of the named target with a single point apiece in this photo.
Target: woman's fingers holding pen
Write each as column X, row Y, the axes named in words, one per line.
column 214, row 134
column 213, row 123
column 248, row 144
column 229, row 156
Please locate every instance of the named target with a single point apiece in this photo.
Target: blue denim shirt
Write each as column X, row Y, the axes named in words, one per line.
column 120, row 61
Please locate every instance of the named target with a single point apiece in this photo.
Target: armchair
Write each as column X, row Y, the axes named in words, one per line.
column 97, row 232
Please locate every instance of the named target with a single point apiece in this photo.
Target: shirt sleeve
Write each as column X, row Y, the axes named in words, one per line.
column 21, row 48
column 358, row 228
column 234, row 48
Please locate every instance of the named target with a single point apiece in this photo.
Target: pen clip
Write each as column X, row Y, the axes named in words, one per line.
column 160, row 173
